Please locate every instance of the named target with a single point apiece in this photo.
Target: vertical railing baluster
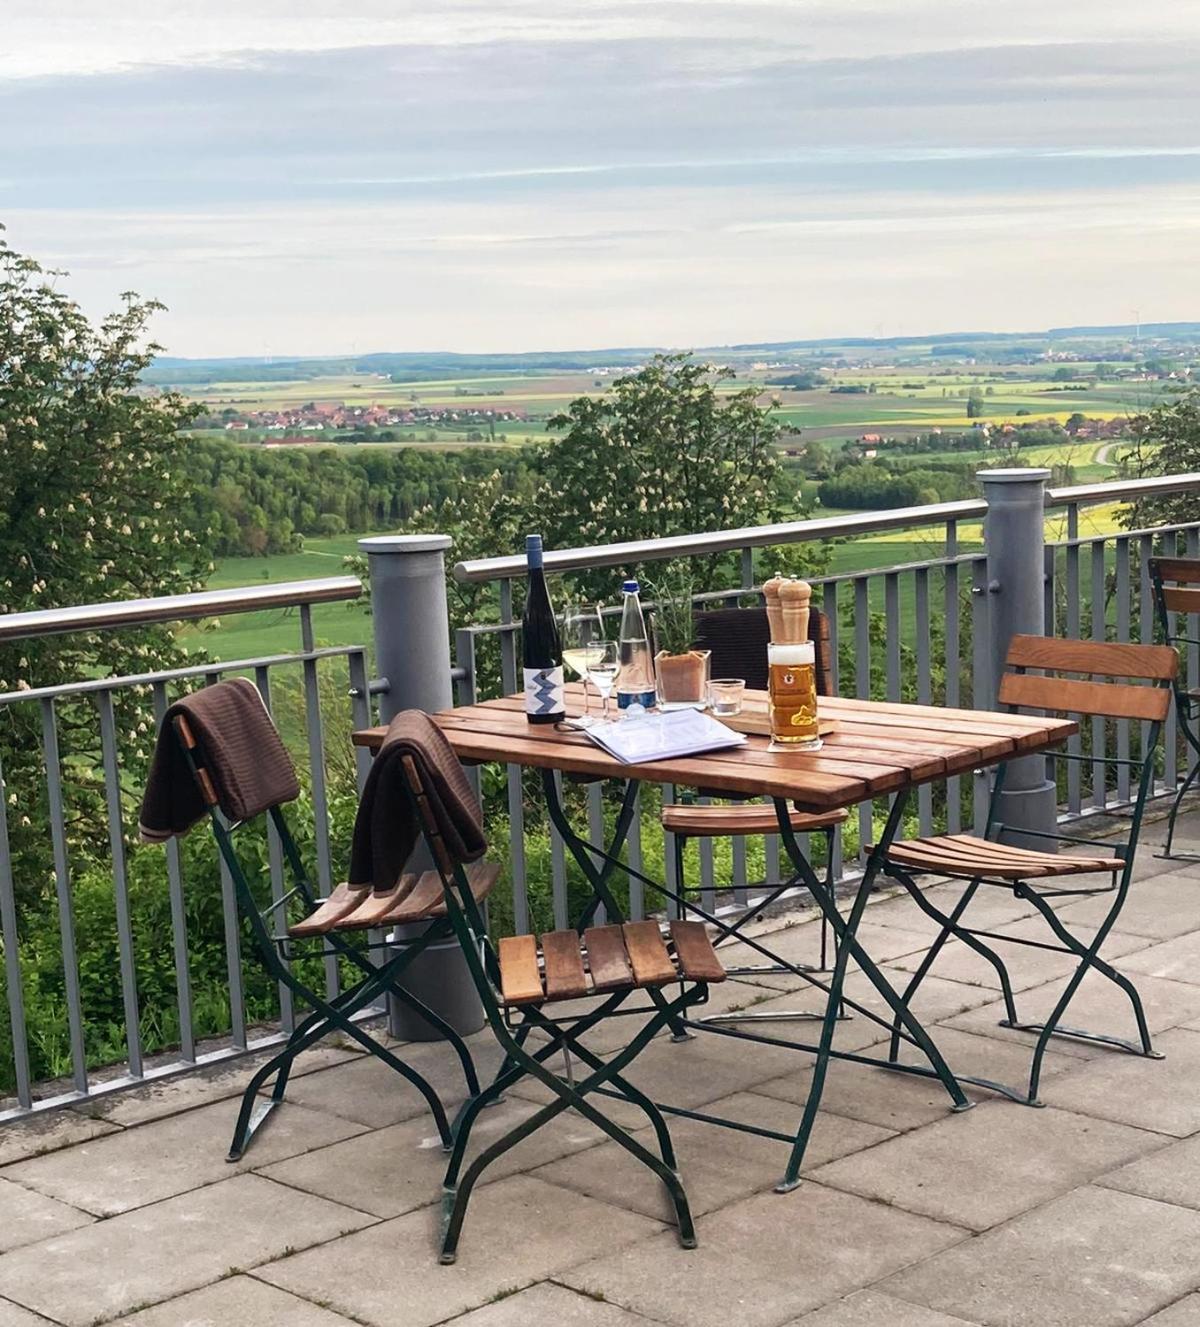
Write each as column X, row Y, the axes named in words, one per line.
column 953, row 666
column 1145, row 626
column 637, row 897
column 179, row 935
column 708, row 894
column 891, row 609
column 596, row 835
column 862, row 689
column 233, row 937
column 516, row 798
column 287, row 1011
column 1192, row 547
column 675, row 883
column 558, row 868
column 316, row 772
column 1099, row 725
column 981, row 686
column 360, row 713
column 62, row 887
column 1074, row 594
column 1123, row 628
column 13, row 983
column 116, row 843
column 835, row 682
column 924, row 684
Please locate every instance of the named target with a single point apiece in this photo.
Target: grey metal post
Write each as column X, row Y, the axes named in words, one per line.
column 412, row 652
column 1014, row 535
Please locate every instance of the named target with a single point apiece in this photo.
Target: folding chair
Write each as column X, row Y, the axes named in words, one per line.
column 1182, row 596
column 523, row 977
column 1033, row 876
column 737, row 639
column 415, row 899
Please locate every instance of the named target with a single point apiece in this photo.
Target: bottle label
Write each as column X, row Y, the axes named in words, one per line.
column 545, row 692
column 646, row 699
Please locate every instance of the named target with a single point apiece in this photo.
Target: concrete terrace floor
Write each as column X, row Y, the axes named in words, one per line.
column 1083, row 1214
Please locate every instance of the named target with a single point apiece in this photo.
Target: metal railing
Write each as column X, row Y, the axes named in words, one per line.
column 917, row 630
column 100, row 696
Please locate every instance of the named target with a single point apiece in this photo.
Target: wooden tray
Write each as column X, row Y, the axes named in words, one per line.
column 756, row 721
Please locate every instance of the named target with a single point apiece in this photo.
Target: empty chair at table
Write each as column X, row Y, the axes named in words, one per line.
column 1109, row 681
column 737, row 639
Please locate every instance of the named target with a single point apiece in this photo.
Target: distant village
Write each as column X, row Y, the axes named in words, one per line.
column 306, row 423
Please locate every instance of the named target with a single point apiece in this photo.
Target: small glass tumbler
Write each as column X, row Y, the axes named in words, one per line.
column 725, row 695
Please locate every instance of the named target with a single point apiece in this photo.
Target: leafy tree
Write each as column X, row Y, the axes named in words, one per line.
column 662, row 453
column 91, row 475
column 974, row 403
column 1166, row 441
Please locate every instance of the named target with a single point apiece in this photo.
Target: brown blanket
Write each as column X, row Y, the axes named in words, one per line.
column 241, row 749
column 386, row 829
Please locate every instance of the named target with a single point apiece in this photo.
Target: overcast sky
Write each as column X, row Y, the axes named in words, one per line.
column 330, row 176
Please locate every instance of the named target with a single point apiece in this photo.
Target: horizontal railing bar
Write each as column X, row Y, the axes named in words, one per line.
column 198, row 670
column 177, row 607
column 791, row 532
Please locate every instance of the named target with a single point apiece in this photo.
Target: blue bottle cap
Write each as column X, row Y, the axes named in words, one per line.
column 631, row 587
column 532, row 541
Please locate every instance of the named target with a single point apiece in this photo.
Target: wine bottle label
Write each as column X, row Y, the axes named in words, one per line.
column 545, row 692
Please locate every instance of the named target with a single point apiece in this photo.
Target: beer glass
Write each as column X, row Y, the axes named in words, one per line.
column 792, row 693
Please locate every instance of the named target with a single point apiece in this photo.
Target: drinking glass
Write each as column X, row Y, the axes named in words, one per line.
column 725, row 695
column 792, row 697
column 603, row 669
column 582, row 632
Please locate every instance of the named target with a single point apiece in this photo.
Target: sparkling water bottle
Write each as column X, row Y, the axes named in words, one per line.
column 635, row 686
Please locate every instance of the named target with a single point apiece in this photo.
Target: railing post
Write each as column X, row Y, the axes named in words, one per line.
column 412, row 651
column 411, row 620
column 1014, row 535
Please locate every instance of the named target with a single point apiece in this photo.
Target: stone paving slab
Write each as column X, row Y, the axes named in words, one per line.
column 39, row 1134
column 764, row 1260
column 717, row 1167
column 143, row 1165
column 29, row 1216
column 1093, row 1258
column 948, row 1170
column 158, row 1252
column 1183, row 1313
column 398, row 1169
column 1149, row 1094
column 1159, row 907
column 869, row 1308
column 1026, row 967
column 12, row 1315
column 1177, row 959
column 372, row 1093
column 1099, row 1005
column 1172, row 1175
column 989, row 1057
column 517, row 1232
column 554, row 1305
column 237, row 1301
column 169, row 1096
column 801, row 945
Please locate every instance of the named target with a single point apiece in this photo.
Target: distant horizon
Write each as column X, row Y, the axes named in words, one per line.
column 1078, row 330
column 504, row 174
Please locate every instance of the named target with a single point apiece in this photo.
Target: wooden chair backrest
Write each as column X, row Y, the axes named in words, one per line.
column 1106, row 699
column 1184, row 595
column 738, row 640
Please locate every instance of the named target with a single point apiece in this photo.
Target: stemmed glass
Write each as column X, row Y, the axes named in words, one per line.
column 582, row 632
column 603, row 670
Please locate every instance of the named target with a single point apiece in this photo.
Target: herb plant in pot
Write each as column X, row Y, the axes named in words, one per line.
column 680, row 670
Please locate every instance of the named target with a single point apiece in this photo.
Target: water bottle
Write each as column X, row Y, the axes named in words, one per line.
column 540, row 644
column 635, row 692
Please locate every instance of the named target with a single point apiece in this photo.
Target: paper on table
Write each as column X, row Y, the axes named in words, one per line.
column 663, row 736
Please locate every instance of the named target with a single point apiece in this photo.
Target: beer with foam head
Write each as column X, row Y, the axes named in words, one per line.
column 792, row 692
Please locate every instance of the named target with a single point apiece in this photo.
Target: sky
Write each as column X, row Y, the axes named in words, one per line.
column 343, row 176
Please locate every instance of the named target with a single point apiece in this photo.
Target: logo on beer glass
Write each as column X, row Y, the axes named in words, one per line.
column 792, row 694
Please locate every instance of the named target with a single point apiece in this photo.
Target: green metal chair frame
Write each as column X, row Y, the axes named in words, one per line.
column 1147, row 662
column 1181, row 597
column 512, row 1027
column 337, row 1013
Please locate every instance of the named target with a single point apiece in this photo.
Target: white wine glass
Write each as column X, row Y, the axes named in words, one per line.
column 582, row 632
column 603, row 670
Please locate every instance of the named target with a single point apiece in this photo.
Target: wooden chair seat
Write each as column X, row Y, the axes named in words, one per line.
column 742, row 818
column 967, row 856
column 562, row 965
column 415, row 898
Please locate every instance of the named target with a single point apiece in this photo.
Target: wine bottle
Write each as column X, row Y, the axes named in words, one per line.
column 545, row 700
